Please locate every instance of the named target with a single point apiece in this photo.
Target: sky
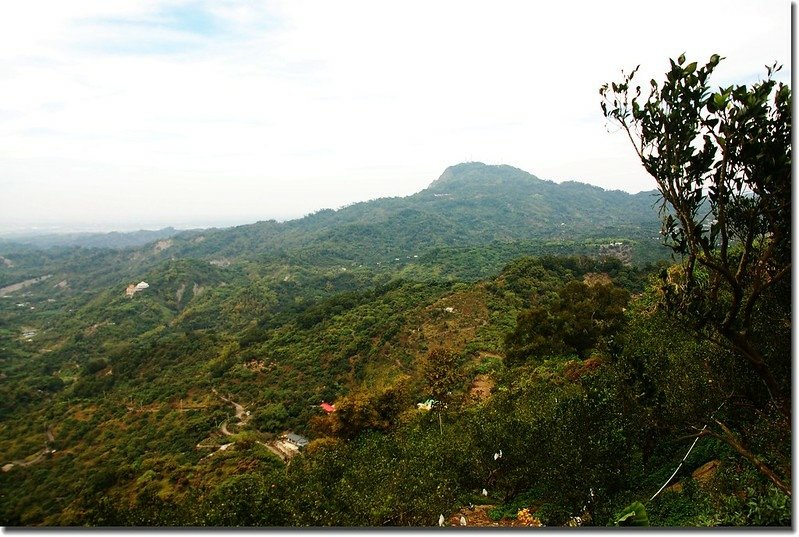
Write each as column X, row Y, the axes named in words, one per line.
column 123, row 115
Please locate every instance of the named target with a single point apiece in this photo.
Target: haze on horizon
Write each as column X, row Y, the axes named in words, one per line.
column 143, row 114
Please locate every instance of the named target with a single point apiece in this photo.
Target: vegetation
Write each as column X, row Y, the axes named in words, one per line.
column 722, row 163
column 568, row 386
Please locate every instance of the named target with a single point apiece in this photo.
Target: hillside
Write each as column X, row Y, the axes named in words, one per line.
column 467, row 224
column 545, row 381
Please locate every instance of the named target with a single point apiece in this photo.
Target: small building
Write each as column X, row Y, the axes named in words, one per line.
column 133, row 289
column 327, row 407
column 296, row 439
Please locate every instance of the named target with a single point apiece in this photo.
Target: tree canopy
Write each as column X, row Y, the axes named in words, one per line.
column 722, row 163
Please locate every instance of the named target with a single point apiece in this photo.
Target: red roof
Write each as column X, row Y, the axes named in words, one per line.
column 328, row 407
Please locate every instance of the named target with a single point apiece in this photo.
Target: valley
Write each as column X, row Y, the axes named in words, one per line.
column 525, row 311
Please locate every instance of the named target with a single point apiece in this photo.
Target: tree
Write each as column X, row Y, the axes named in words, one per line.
column 272, row 417
column 367, row 410
column 440, row 371
column 590, row 313
column 581, row 318
column 722, row 164
column 441, row 375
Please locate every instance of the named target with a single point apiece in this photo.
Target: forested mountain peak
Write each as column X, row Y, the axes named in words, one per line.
column 469, row 204
column 483, row 177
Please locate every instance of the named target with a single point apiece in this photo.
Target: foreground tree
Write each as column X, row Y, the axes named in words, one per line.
column 722, row 163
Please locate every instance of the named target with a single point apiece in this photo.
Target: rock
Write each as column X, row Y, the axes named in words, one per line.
column 705, row 473
column 676, row 487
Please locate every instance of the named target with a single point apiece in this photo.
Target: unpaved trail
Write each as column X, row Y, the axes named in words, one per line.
column 21, row 285
column 242, row 415
column 36, row 457
column 477, row 516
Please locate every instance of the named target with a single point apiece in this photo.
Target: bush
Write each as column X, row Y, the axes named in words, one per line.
column 95, row 365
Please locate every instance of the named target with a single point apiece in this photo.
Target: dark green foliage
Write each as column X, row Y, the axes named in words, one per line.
column 722, row 163
column 248, row 500
column 682, row 508
column 512, row 508
column 581, row 318
column 95, row 365
column 771, row 509
column 441, row 374
column 270, row 418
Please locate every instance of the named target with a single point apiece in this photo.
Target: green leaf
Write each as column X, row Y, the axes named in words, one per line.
column 633, row 515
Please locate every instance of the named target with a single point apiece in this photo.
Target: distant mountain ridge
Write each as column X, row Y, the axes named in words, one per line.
column 470, row 204
column 113, row 239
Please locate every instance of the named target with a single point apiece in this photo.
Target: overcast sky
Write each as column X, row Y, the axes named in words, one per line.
column 138, row 114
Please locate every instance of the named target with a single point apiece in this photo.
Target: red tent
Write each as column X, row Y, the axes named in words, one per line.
column 327, row 407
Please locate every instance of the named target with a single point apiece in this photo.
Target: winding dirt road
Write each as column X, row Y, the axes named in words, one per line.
column 36, row 457
column 242, row 415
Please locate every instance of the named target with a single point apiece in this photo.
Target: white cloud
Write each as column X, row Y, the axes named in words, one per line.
column 283, row 108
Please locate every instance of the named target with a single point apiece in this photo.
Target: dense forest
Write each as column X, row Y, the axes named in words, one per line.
column 496, row 350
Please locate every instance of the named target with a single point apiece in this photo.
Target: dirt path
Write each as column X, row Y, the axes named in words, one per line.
column 241, row 414
column 13, row 288
column 36, row 457
column 481, row 387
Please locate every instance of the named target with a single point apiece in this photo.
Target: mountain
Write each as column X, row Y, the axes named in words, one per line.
column 467, row 224
column 166, row 404
column 471, row 204
column 114, row 239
